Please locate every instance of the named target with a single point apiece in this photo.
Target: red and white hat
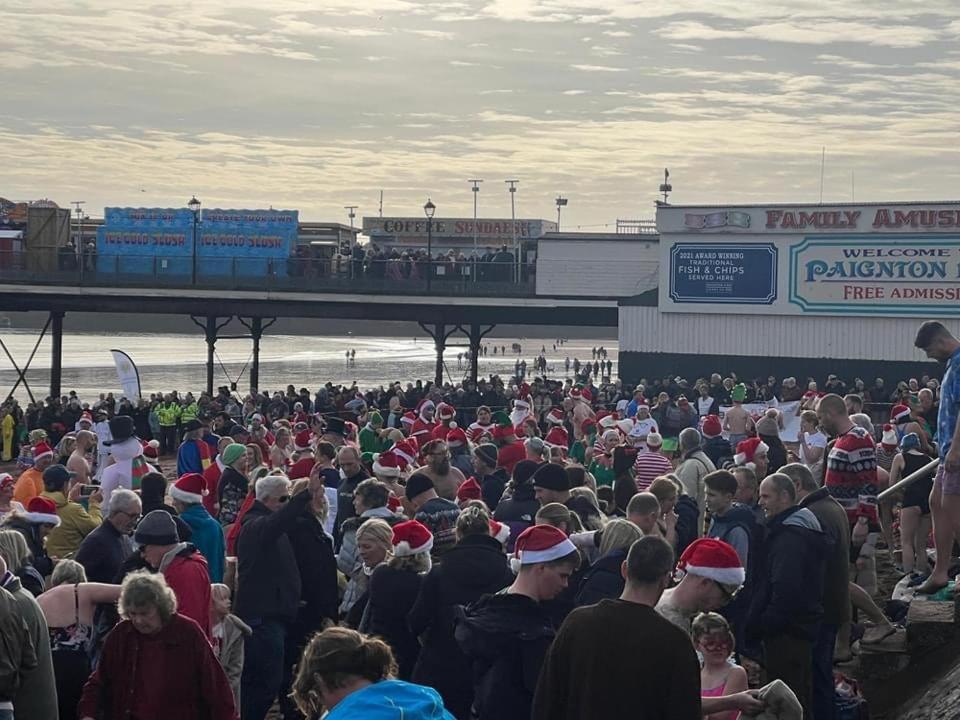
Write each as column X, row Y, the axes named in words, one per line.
column 42, row 511
column 190, row 488
column 408, row 418
column 889, row 438
column 555, row 416
column 712, row 559
column 469, row 490
column 712, row 427
column 407, row 451
column 445, row 411
column 558, row 436
column 899, row 414
column 607, row 420
column 151, row 450
column 388, row 464
column 456, row 437
column 576, row 393
column 6, row 480
column 500, row 531
column 411, row 537
column 302, row 441
column 625, row 426
column 42, row 450
column 747, row 449
column 540, row 544
column 86, row 417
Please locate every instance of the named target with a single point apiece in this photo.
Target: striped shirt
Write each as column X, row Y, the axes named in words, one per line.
column 648, row 467
column 851, row 474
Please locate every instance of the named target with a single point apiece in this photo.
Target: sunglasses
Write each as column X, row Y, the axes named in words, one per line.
column 283, row 498
column 727, row 594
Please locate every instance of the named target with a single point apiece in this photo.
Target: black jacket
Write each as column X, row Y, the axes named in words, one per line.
column 492, row 486
column 268, row 580
column 518, row 511
column 786, row 597
column 313, row 550
column 688, row 515
column 390, row 598
column 345, row 507
column 776, row 455
column 31, row 533
column 717, row 449
column 473, row 567
column 102, row 553
column 602, row 580
column 506, row 638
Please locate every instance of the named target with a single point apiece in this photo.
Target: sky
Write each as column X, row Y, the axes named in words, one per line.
column 318, row 104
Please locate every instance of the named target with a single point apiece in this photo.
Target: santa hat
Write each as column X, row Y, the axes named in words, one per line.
column 625, row 426
column 408, row 418
column 469, row 490
column 42, row 511
column 712, row 559
column 446, row 411
column 394, row 504
column 42, row 450
column 456, row 437
column 190, row 488
column 500, row 531
column 521, row 404
column 440, row 432
column 900, row 414
column 406, row 450
column 607, row 420
column 587, row 395
column 712, row 427
column 576, row 393
column 151, row 450
column 889, row 438
column 475, row 432
column 588, row 426
column 388, row 464
column 557, row 436
column 540, row 544
column 555, row 416
column 411, row 537
column 86, row 417
column 747, row 449
column 424, row 404
column 6, row 480
column 302, row 441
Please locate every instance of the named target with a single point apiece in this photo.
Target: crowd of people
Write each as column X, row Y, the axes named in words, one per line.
column 541, row 550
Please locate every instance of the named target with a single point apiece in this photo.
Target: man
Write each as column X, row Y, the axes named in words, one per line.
column 437, row 513
column 30, row 483
column 506, row 636
column 512, row 450
column 786, row 608
column 836, row 584
column 212, row 475
column 706, row 404
column 36, row 698
column 424, row 425
column 77, row 463
column 737, row 421
column 103, row 552
column 715, row 446
column 352, row 474
column 850, row 469
column 651, row 464
column 939, row 344
column 712, row 577
column 182, row 566
column 643, row 510
column 168, row 413
column 268, row 588
column 580, row 411
column 194, row 454
column 207, row 534
column 446, row 478
column 233, row 486
column 492, row 479
column 75, row 522
column 18, row 653
column 694, row 466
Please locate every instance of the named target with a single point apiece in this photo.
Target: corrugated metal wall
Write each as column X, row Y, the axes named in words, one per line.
column 592, row 268
column 646, row 329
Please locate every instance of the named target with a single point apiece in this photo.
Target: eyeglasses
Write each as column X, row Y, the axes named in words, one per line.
column 728, row 595
column 282, row 498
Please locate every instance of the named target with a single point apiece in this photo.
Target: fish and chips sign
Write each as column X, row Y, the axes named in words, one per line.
column 892, row 260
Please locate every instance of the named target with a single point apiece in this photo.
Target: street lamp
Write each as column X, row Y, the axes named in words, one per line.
column 561, row 202
column 429, row 209
column 194, row 206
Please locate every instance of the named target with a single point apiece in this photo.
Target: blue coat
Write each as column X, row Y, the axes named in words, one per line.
column 208, row 537
column 391, row 699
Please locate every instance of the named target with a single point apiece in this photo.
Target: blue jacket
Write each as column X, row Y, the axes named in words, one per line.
column 208, row 537
column 391, row 700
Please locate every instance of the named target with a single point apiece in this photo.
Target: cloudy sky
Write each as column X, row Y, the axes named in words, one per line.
column 317, row 104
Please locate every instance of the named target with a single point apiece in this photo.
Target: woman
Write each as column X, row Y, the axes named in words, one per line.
column 35, row 525
column 7, row 503
column 370, row 500
column 603, row 578
column 282, row 449
column 602, row 465
column 351, row 676
column 69, row 607
column 13, row 549
column 374, row 547
column 915, row 518
column 65, row 448
column 255, row 467
column 665, row 491
column 393, row 590
column 475, row 566
column 156, row 664
column 520, row 506
column 813, row 443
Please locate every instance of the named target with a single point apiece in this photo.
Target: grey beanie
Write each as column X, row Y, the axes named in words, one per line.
column 488, row 453
column 156, row 528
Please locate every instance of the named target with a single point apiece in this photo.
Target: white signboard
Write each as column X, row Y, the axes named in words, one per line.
column 487, row 229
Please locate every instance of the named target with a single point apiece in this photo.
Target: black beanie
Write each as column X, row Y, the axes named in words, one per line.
column 523, row 471
column 156, row 528
column 550, row 476
column 417, row 484
column 488, row 453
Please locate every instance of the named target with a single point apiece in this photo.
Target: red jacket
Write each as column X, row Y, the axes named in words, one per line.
column 212, row 478
column 187, row 574
column 510, row 455
column 172, row 674
column 422, row 431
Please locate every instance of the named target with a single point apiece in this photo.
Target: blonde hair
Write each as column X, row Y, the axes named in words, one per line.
column 68, row 572
column 595, row 521
column 143, row 589
column 219, row 591
column 619, row 534
column 473, row 520
column 379, row 531
column 559, row 516
column 14, row 550
column 711, row 622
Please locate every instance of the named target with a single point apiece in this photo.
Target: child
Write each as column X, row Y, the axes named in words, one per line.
column 719, row 675
column 228, row 634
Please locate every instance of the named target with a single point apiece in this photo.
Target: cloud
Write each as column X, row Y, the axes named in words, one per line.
column 435, row 34
column 575, row 92
column 823, row 32
column 598, row 68
column 617, row 33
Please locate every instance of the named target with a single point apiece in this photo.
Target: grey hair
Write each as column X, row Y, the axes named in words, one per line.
column 783, row 484
column 67, row 572
column 801, row 476
column 121, row 500
column 619, row 534
column 862, row 420
column 144, row 589
column 270, row 485
column 689, row 438
column 14, row 550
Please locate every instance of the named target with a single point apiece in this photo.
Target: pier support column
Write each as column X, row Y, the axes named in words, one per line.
column 56, row 353
column 440, row 335
column 256, row 326
column 210, row 331
column 475, row 335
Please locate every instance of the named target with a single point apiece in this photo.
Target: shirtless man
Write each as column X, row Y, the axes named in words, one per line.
column 446, row 478
column 77, row 463
column 737, row 421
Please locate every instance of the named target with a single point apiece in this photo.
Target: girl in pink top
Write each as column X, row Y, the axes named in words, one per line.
column 719, row 675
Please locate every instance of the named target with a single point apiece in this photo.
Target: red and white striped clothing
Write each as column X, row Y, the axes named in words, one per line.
column 648, row 467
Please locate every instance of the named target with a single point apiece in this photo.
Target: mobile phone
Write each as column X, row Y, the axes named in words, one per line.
column 87, row 490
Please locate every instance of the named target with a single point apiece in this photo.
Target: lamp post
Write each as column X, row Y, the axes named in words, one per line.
column 561, row 202
column 476, row 190
column 194, row 206
column 513, row 226
column 429, row 209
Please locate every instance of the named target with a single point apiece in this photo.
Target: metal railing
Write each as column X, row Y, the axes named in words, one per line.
column 926, row 471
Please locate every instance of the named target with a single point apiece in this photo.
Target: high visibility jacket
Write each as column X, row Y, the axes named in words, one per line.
column 168, row 413
column 189, row 412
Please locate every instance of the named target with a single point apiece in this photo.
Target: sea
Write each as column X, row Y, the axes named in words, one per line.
column 178, row 361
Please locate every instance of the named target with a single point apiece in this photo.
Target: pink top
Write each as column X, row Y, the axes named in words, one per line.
column 719, row 692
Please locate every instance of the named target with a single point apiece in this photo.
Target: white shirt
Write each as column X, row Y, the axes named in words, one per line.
column 814, row 440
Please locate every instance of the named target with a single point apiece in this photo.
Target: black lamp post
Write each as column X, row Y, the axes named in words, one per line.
column 429, row 209
column 194, row 206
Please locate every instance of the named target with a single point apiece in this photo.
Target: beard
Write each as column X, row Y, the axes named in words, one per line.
column 441, row 467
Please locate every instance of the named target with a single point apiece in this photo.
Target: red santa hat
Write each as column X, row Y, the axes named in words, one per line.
column 388, row 464
column 469, row 490
column 408, row 418
column 406, row 450
column 555, row 416
column 712, row 427
column 625, row 426
column 394, row 504
column 588, row 425
column 889, row 439
column 456, row 437
column 576, row 393
column 411, row 537
column 748, row 449
column 151, row 450
column 423, row 405
column 42, row 450
column 558, row 436
column 607, row 420
column 521, row 403
column 190, row 488
column 540, row 544
column 86, row 417
column 900, row 414
column 475, row 432
column 42, row 511
column 302, row 441
column 500, row 531
column 587, row 395
column 446, row 411
column 712, row 559
column 6, row 480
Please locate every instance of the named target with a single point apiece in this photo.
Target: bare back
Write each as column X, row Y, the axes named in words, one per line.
column 63, row 606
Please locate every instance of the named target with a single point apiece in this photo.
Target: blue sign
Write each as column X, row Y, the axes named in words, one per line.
column 145, row 240
column 741, row 274
column 244, row 242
